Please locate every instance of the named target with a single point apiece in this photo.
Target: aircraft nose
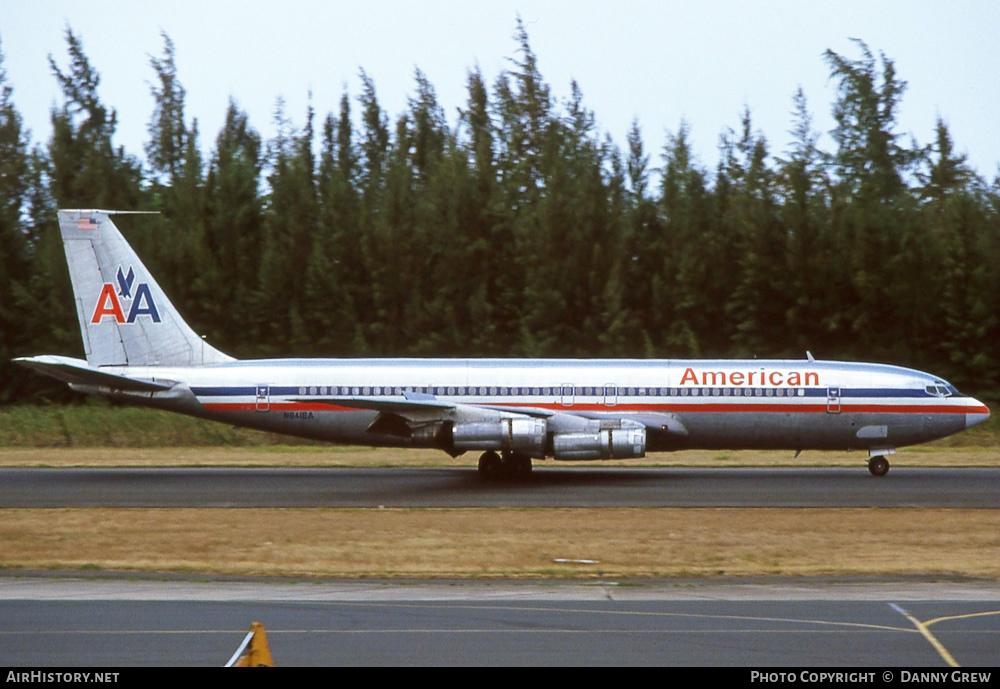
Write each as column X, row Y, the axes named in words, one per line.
column 976, row 417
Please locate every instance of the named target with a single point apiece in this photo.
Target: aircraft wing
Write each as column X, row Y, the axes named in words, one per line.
column 657, row 422
column 423, row 408
column 654, row 421
column 536, row 412
column 79, row 372
column 415, row 414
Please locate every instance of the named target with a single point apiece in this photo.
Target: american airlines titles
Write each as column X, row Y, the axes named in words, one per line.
column 738, row 378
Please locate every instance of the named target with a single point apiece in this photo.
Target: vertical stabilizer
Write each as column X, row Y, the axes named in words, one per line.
column 125, row 318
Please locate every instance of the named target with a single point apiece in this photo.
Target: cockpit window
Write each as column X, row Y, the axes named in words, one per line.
column 940, row 389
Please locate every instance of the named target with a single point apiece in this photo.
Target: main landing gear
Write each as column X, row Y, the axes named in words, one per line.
column 493, row 467
column 878, row 465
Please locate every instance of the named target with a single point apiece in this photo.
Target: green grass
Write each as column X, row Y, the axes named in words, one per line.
column 99, row 424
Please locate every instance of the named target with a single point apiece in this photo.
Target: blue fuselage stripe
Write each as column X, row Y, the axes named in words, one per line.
column 549, row 391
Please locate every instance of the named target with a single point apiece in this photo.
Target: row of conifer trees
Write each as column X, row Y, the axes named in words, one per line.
column 517, row 229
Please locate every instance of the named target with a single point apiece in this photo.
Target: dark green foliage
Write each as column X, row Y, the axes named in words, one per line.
column 87, row 170
column 168, row 135
column 18, row 274
column 521, row 230
column 333, row 278
column 228, row 261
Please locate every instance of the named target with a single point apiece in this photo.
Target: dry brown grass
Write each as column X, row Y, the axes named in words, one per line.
column 506, row 542
column 498, row 542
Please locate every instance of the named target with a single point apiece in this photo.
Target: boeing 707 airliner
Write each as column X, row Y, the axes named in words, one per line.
column 139, row 349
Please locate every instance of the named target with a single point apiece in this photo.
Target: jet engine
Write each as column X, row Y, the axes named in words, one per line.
column 610, row 443
column 525, row 436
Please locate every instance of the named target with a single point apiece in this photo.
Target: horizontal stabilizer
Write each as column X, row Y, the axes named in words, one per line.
column 77, row 371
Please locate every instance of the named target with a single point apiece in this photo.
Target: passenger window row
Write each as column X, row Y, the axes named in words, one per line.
column 565, row 391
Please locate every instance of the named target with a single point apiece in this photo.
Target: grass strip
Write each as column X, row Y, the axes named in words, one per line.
column 507, row 543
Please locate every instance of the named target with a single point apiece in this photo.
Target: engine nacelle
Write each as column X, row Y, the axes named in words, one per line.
column 526, row 436
column 610, row 443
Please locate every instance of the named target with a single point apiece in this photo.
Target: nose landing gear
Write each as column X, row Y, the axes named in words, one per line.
column 878, row 465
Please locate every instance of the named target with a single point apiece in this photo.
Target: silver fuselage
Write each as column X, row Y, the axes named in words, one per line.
column 711, row 404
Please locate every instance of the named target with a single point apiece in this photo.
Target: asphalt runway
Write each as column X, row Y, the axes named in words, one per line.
column 114, row 623
column 461, row 487
column 107, row 624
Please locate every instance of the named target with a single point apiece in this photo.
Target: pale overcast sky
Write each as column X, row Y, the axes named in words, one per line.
column 659, row 61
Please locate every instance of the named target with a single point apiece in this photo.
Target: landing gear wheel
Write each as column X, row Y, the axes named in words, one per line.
column 878, row 465
column 491, row 467
column 517, row 465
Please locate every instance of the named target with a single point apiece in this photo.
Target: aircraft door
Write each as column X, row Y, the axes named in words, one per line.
column 566, row 394
column 833, row 400
column 263, row 401
column 610, row 395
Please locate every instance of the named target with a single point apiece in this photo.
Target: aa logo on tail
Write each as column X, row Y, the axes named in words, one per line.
column 109, row 303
